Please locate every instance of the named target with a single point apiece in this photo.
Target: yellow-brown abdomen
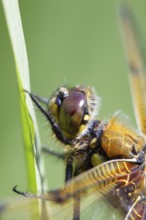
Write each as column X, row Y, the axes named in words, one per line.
column 119, row 141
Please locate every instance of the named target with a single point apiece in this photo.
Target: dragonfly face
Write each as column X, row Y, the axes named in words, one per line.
column 73, row 110
column 103, row 159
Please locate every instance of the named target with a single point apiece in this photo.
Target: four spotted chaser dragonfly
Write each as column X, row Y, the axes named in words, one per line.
column 105, row 160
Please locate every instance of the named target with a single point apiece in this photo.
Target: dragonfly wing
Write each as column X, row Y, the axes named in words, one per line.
column 100, row 208
column 96, row 179
column 93, row 187
column 20, row 209
column 137, row 73
column 93, row 205
column 137, row 210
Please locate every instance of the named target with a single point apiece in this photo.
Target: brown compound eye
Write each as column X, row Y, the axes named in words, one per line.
column 72, row 112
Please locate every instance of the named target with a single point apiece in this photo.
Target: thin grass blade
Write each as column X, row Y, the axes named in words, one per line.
column 34, row 163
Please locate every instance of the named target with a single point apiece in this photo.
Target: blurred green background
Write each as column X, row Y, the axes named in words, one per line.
column 72, row 42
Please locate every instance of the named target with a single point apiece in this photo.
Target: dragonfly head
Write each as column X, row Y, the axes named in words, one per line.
column 73, row 109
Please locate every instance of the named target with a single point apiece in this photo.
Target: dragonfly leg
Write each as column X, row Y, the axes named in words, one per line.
column 51, row 152
column 69, row 169
column 76, row 207
column 26, row 194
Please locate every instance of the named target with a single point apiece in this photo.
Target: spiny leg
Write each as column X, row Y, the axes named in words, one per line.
column 53, row 153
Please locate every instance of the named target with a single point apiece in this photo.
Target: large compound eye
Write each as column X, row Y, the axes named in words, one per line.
column 72, row 112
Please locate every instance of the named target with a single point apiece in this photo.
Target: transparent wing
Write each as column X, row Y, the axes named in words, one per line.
column 28, row 209
column 94, row 189
column 25, row 208
column 20, row 209
column 93, row 205
column 102, row 208
column 137, row 73
column 100, row 179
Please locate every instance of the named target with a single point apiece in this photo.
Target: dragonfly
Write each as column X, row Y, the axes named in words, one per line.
column 105, row 160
